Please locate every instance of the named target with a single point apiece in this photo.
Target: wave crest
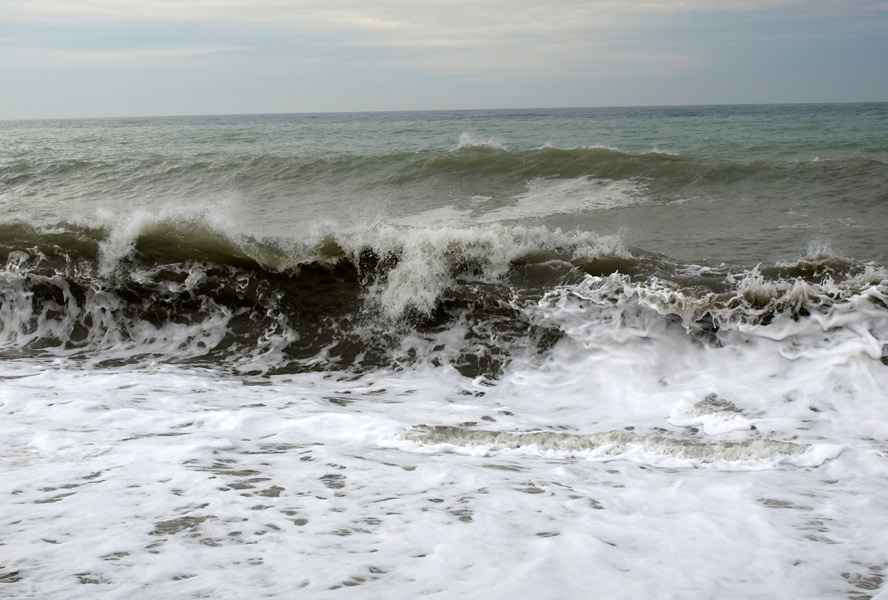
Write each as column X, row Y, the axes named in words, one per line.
column 186, row 288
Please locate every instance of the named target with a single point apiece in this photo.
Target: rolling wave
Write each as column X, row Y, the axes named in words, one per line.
column 475, row 169
column 381, row 296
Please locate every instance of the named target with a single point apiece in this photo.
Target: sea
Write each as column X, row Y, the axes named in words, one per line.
column 503, row 354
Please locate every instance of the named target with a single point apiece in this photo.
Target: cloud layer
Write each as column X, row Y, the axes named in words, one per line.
column 464, row 53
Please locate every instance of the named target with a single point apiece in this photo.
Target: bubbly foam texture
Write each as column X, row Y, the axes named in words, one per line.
column 752, row 298
column 348, row 356
column 622, row 445
column 628, row 431
column 632, row 429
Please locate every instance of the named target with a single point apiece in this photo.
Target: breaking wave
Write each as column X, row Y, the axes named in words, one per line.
column 188, row 290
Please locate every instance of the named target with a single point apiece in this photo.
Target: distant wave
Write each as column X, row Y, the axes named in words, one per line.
column 476, row 166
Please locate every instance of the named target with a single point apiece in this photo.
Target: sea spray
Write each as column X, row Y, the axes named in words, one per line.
column 639, row 351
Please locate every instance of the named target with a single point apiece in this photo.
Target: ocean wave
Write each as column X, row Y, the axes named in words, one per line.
column 186, row 287
column 467, row 140
column 474, row 167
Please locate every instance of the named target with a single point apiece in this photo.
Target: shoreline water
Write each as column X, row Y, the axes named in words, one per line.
column 518, row 355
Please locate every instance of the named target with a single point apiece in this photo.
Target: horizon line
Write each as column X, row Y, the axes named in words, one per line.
column 438, row 110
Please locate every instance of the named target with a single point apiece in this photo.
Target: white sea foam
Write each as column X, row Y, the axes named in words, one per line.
column 426, row 257
column 723, row 438
column 625, row 458
column 469, row 140
column 545, row 197
column 212, row 487
column 436, row 217
column 427, row 246
column 651, row 449
column 542, row 198
column 125, row 229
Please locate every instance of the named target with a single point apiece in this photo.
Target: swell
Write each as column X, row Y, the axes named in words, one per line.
column 384, row 297
column 474, row 169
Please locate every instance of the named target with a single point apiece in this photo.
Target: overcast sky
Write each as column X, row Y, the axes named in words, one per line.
column 85, row 58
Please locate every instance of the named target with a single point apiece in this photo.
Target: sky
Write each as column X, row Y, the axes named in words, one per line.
column 107, row 58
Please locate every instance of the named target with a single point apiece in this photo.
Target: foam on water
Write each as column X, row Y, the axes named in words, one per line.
column 469, row 140
column 637, row 455
column 427, row 257
column 542, row 198
column 545, row 197
column 355, row 361
column 212, row 487
column 655, row 450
